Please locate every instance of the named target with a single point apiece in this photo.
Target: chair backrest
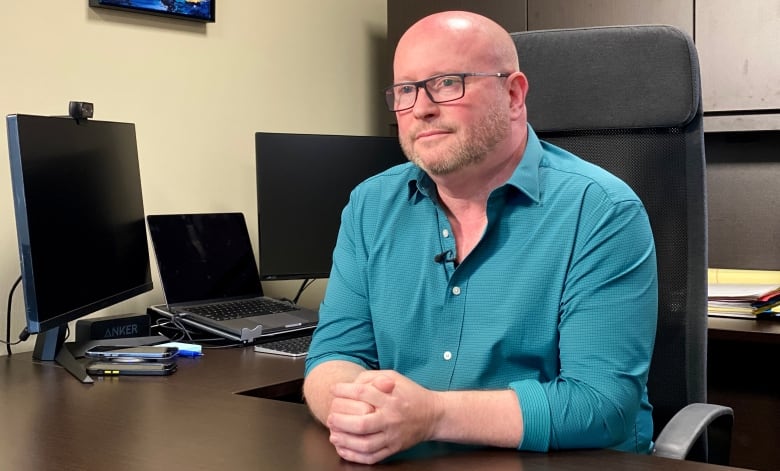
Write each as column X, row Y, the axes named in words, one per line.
column 628, row 98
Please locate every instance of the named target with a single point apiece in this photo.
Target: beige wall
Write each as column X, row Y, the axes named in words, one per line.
column 197, row 93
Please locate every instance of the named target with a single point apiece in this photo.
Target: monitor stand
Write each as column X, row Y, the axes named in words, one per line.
column 50, row 346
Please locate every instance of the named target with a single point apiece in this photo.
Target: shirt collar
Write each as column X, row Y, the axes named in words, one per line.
column 525, row 178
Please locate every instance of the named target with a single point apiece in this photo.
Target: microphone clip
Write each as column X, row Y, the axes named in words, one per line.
column 443, row 257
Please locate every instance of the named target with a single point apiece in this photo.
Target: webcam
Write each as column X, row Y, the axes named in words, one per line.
column 80, row 110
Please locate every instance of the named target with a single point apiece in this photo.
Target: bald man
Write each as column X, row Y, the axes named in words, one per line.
column 495, row 290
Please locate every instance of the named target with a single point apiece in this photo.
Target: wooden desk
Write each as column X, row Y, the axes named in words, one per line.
column 197, row 419
column 743, row 373
column 748, row 330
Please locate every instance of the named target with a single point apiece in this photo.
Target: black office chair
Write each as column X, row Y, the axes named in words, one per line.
column 628, row 98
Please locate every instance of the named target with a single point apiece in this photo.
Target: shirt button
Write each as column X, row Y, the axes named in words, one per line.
column 456, row 290
column 445, row 233
column 447, row 355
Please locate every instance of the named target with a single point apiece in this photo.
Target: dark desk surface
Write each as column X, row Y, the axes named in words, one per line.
column 196, row 420
column 747, row 330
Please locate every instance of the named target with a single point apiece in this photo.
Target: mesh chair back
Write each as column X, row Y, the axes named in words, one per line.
column 628, row 99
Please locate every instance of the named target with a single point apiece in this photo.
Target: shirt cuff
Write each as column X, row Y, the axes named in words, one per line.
column 311, row 362
column 536, row 415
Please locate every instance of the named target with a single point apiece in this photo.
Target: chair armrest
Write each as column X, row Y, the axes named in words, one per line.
column 680, row 433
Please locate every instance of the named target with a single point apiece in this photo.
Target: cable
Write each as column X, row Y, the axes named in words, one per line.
column 22, row 336
column 183, row 333
column 305, row 284
column 180, row 331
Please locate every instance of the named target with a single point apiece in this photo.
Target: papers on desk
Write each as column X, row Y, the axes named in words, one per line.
column 745, row 301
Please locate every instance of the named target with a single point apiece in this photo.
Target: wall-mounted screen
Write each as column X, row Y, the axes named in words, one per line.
column 194, row 10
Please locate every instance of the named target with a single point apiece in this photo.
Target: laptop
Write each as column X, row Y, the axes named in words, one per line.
column 206, row 262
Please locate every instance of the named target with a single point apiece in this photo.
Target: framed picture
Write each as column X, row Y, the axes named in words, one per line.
column 193, row 10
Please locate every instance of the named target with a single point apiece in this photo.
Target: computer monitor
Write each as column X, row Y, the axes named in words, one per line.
column 79, row 222
column 303, row 184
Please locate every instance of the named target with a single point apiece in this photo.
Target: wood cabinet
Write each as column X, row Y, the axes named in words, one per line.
column 738, row 45
column 741, row 356
column 739, row 53
column 551, row 14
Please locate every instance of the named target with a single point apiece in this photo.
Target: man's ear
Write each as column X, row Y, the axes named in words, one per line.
column 518, row 90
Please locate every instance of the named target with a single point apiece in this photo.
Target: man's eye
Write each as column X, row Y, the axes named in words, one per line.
column 406, row 89
column 444, row 83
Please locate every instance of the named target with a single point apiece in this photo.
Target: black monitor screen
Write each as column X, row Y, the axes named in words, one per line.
column 303, row 184
column 79, row 216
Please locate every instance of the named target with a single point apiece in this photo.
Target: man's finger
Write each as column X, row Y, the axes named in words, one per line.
column 350, row 406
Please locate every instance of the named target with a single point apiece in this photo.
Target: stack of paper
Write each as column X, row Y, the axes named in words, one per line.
column 739, row 300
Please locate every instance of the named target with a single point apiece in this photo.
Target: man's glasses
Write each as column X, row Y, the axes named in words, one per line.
column 439, row 88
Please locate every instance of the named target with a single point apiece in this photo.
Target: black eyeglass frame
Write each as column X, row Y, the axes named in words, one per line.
column 390, row 96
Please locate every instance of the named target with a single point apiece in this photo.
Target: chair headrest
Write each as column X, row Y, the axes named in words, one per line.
column 644, row 76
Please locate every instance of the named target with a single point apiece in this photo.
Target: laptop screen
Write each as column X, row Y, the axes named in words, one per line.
column 204, row 256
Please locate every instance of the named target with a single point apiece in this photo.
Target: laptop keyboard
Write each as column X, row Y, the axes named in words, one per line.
column 294, row 346
column 241, row 308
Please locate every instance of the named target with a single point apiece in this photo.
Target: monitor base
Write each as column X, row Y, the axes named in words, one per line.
column 50, row 346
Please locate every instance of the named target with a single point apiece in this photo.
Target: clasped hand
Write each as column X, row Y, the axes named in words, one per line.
column 378, row 414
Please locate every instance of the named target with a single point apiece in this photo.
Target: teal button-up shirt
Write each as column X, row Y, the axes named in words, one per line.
column 558, row 301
